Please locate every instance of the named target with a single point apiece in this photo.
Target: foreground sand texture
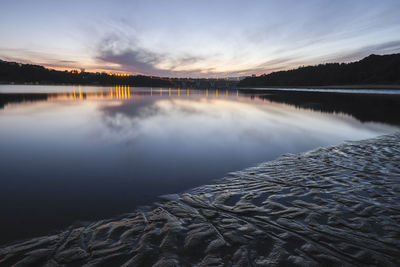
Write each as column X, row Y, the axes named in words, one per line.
column 331, row 206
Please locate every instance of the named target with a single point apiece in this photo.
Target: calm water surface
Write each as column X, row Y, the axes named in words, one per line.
column 73, row 154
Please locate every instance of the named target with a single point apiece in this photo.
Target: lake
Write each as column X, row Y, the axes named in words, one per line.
column 71, row 154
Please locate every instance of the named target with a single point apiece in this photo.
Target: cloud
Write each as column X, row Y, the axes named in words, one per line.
column 133, row 58
column 125, row 53
column 381, row 48
column 137, row 60
column 294, row 60
column 47, row 62
column 117, row 49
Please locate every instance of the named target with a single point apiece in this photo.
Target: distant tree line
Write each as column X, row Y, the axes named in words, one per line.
column 12, row 72
column 373, row 69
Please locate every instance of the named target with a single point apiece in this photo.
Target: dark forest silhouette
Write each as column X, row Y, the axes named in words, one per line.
column 374, row 69
column 13, row 72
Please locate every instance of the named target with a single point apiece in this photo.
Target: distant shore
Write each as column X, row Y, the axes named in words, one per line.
column 372, row 70
column 360, row 86
column 331, row 206
column 353, row 87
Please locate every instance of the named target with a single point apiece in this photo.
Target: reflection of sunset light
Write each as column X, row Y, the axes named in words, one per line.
column 123, row 92
column 118, row 74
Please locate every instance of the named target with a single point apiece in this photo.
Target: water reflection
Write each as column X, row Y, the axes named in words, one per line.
column 118, row 92
column 365, row 107
column 85, row 155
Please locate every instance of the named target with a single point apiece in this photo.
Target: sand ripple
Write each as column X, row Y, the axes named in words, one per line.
column 331, row 206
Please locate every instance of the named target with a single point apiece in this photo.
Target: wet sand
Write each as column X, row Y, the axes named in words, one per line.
column 332, row 206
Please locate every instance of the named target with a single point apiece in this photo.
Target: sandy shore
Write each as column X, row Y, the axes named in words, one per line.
column 330, row 206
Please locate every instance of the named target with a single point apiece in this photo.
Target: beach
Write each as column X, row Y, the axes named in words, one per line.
column 335, row 206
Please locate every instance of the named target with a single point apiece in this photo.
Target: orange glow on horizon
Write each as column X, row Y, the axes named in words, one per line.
column 118, row 74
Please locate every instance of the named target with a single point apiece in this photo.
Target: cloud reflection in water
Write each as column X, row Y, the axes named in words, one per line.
column 95, row 157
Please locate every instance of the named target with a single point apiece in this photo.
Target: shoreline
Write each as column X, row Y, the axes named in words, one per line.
column 333, row 205
column 334, row 90
column 356, row 86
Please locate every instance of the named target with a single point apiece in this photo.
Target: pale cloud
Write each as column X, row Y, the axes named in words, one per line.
column 197, row 38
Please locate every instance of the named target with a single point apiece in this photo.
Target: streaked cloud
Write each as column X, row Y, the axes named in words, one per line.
column 196, row 38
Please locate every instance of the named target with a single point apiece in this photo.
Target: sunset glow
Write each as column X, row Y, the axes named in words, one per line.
column 196, row 39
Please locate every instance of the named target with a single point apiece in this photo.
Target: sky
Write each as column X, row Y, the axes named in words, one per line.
column 196, row 38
